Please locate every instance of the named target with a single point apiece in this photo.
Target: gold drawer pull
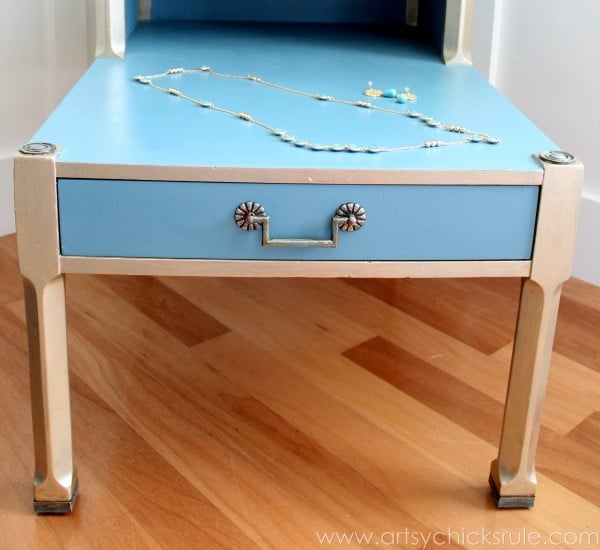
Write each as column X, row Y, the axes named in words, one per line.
column 350, row 216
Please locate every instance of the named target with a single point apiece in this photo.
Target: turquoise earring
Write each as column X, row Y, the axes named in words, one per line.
column 402, row 97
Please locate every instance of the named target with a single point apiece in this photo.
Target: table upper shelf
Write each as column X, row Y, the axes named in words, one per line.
column 110, row 119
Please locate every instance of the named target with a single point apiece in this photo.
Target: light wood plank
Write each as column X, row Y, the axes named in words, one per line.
column 488, row 374
column 145, row 485
column 250, row 492
column 572, row 395
column 487, row 324
column 260, row 436
column 577, row 333
column 99, row 515
column 170, row 310
column 10, row 279
column 582, row 292
column 194, row 382
column 243, row 307
column 353, row 424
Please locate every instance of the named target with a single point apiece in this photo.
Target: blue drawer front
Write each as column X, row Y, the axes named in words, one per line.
column 156, row 219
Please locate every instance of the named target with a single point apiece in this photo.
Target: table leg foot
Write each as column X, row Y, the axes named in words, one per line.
column 56, row 507
column 511, row 501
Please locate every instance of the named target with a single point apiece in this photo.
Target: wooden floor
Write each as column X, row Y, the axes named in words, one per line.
column 226, row 413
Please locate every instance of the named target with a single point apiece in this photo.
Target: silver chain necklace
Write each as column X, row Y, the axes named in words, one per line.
column 469, row 136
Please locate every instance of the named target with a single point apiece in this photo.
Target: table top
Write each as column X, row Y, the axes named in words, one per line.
column 109, row 118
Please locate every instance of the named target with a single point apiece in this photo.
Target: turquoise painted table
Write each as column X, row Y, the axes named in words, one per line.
column 143, row 182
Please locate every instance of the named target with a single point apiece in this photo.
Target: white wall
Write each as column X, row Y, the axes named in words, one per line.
column 43, row 50
column 545, row 60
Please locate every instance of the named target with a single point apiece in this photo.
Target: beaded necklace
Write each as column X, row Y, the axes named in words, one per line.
column 468, row 136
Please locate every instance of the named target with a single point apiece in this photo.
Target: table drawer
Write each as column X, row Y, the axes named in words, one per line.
column 158, row 219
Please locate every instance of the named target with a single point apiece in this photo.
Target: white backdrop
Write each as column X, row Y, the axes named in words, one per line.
column 546, row 62
column 43, row 50
column 539, row 53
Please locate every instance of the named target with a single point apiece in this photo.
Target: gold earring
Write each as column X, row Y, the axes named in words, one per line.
column 372, row 92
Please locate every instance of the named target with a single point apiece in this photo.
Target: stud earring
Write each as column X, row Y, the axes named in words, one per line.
column 372, row 92
column 402, row 97
column 406, row 96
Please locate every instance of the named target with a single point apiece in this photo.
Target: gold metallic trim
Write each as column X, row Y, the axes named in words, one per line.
column 144, row 10
column 298, row 175
column 110, row 28
column 512, row 474
column 411, row 15
column 275, row 268
column 36, row 211
column 458, row 31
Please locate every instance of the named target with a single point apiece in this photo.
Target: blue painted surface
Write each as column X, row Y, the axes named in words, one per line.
column 306, row 11
column 131, row 16
column 109, row 119
column 195, row 220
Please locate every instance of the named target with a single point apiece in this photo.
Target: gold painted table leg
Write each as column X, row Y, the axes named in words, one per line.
column 55, row 480
column 512, row 477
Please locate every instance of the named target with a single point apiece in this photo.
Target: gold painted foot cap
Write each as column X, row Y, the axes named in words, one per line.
column 56, row 507
column 505, row 502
